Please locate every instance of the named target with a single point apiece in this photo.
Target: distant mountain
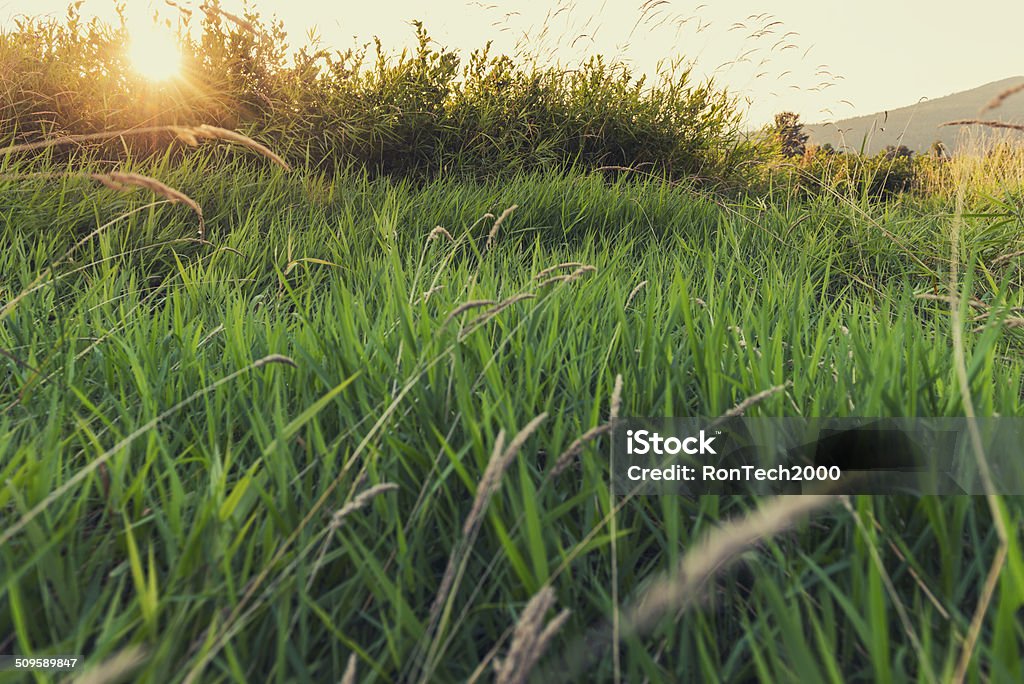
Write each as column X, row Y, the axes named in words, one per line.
column 918, row 126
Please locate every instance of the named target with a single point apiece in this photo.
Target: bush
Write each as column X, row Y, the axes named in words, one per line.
column 421, row 112
column 823, row 170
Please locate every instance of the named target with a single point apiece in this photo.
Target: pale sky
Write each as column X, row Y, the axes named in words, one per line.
column 841, row 59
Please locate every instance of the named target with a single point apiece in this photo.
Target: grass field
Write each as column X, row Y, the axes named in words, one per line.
column 250, row 458
column 345, row 414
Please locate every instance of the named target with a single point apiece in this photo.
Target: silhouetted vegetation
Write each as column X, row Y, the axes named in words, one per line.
column 790, row 134
column 420, row 112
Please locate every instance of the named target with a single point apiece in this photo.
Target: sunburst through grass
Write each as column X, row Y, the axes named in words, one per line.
column 153, row 51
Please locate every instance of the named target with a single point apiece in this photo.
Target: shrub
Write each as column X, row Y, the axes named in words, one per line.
column 420, row 112
column 790, row 134
column 823, row 170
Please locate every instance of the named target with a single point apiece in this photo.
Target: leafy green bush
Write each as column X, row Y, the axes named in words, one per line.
column 823, row 170
column 421, row 112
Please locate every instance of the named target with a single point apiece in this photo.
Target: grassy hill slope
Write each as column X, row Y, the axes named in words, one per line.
column 919, row 125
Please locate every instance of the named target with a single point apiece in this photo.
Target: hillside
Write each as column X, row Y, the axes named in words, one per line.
column 917, row 126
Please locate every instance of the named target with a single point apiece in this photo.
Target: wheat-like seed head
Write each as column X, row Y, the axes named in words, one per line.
column 361, row 500
column 557, row 267
column 998, row 100
column 349, row 677
column 466, row 306
column 498, row 308
column 116, row 668
column 122, row 181
column 564, row 460
column 215, row 133
column 493, row 235
column 439, row 232
column 432, row 291
column 711, row 554
column 272, row 358
column 455, row 557
column 987, row 123
column 681, row 588
column 501, row 458
column 636, row 290
column 530, row 639
column 740, row 408
column 122, row 178
column 567, row 278
column 188, row 134
column 616, row 402
column 496, row 468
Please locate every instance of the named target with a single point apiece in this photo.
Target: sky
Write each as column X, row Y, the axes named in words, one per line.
column 824, row 59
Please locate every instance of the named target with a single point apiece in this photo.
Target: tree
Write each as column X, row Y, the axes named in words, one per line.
column 901, row 152
column 790, row 133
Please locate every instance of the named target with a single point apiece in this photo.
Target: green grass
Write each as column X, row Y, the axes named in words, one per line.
column 195, row 486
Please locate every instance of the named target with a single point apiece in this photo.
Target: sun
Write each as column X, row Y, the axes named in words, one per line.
column 154, row 54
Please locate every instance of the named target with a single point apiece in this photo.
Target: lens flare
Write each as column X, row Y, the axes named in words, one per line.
column 154, row 53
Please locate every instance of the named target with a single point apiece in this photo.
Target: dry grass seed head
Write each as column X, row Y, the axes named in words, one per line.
column 468, row 530
column 740, row 408
column 466, row 306
column 568, row 278
column 215, row 133
column 998, row 100
column 557, row 267
column 119, row 179
column 123, row 181
column 634, row 292
column 483, row 487
column 188, row 134
column 349, row 677
column 493, row 235
column 675, row 591
column 501, row 457
column 530, row 639
column 712, row 553
column 361, row 500
column 440, row 232
column 274, row 358
column 499, row 307
column 564, row 460
column 187, row 137
column 496, row 468
column 431, row 291
column 566, row 457
column 616, row 402
column 116, row 668
column 987, row 123
column 108, row 182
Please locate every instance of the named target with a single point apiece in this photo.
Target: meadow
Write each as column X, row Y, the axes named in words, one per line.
column 356, row 429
